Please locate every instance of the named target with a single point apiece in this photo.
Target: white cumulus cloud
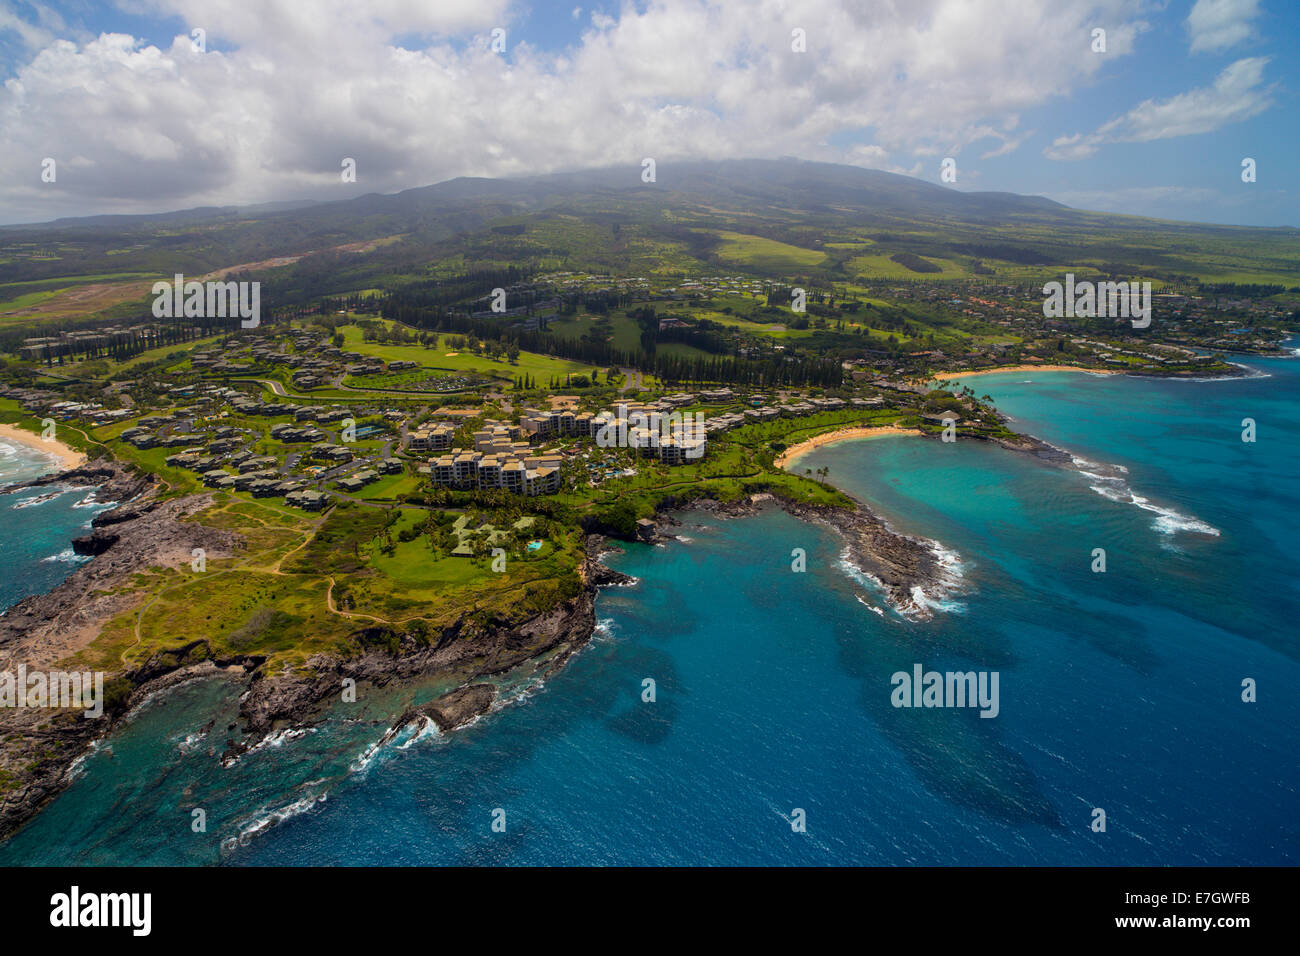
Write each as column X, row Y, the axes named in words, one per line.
column 413, row 92
column 1237, row 94
column 1216, row 25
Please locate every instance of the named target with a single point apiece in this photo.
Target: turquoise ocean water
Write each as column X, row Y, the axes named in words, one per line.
column 1118, row 690
column 35, row 534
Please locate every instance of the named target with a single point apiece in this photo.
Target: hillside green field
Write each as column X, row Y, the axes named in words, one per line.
column 541, row 367
column 767, row 254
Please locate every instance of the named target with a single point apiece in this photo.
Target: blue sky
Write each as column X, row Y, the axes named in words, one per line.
column 1158, row 124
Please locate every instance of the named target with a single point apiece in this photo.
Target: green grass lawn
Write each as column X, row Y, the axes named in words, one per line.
column 541, row 367
column 390, row 487
column 27, row 300
column 766, row 253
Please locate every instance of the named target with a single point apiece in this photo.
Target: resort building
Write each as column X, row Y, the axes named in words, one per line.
column 521, row 474
column 432, row 438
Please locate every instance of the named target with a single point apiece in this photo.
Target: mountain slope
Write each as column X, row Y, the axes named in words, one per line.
column 576, row 216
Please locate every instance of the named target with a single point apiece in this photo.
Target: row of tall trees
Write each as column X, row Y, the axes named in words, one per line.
column 775, row 372
column 120, row 346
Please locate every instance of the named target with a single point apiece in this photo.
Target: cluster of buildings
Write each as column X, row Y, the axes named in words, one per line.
column 91, row 412
column 144, row 437
column 41, row 347
column 534, row 475
column 292, row 435
column 504, row 454
column 485, row 535
column 811, row 406
column 655, row 429
column 145, row 433
column 639, row 287
column 258, row 474
column 50, row 404
column 338, row 454
column 211, row 452
column 500, row 459
column 315, row 362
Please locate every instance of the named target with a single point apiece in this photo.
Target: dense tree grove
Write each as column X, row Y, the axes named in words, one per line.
column 425, row 311
column 768, row 373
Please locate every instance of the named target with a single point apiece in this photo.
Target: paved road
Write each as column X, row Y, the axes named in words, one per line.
column 631, row 379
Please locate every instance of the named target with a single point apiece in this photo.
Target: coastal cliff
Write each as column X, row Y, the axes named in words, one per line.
column 39, row 746
column 461, row 652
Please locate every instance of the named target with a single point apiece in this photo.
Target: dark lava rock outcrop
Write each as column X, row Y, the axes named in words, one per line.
column 97, row 542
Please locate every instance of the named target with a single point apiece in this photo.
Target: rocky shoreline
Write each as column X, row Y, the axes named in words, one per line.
column 1145, row 373
column 116, row 482
column 459, row 652
column 899, row 563
column 1034, row 447
column 39, row 747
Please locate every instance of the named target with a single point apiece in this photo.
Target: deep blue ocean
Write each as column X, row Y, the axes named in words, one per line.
column 1119, row 690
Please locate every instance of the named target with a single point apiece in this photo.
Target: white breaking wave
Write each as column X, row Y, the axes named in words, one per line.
column 951, row 574
column 278, row 739
column 515, row 696
column 1113, row 486
column 191, row 741
column 869, row 606
column 8, row 451
column 90, row 501
column 68, row 556
column 428, row 728
column 1098, row 472
column 77, row 767
column 924, row 600
column 283, row 737
column 38, row 499
column 631, row 582
column 270, row 818
column 396, row 738
column 856, row 573
column 1250, row 373
column 363, row 762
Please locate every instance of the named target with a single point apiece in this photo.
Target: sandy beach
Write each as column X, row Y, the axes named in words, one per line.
column 844, row 434
column 1025, row 368
column 68, row 457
